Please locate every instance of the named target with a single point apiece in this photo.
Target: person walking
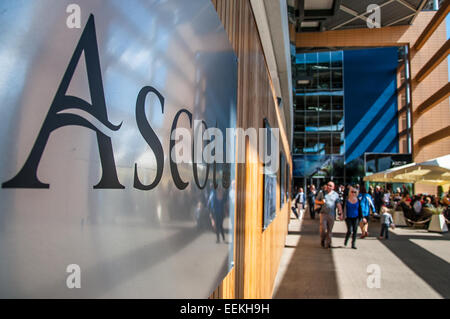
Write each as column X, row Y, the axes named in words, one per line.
column 311, row 200
column 352, row 215
column 294, row 204
column 366, row 202
column 300, row 200
column 386, row 222
column 329, row 200
column 378, row 199
column 217, row 212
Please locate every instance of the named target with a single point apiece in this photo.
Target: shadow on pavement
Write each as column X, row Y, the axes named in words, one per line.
column 311, row 271
column 434, row 270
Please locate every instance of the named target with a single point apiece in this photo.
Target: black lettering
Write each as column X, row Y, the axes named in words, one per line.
column 173, row 166
column 27, row 176
column 150, row 137
column 194, row 165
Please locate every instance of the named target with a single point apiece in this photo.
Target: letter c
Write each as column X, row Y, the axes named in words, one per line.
column 173, row 166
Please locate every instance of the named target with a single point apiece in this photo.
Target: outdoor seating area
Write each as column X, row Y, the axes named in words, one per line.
column 418, row 211
column 426, row 211
column 420, row 220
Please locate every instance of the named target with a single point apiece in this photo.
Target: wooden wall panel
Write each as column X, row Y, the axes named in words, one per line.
column 257, row 252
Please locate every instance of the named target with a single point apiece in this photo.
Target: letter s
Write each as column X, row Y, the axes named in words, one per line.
column 150, row 137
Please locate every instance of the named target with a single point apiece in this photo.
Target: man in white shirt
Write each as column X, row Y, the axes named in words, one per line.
column 329, row 201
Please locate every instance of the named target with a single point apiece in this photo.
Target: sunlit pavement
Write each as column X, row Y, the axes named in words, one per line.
column 413, row 263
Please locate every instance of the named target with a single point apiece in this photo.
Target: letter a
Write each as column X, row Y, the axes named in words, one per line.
column 74, row 19
column 27, row 176
column 374, row 19
column 74, row 279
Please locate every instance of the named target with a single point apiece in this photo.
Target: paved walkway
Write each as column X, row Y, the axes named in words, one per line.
column 411, row 264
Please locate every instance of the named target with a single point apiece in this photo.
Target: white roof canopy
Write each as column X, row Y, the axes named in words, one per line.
column 435, row 172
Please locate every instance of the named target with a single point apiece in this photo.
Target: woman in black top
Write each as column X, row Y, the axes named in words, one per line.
column 352, row 215
column 311, row 199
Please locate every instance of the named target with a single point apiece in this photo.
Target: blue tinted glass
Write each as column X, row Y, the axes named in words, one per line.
column 300, row 58
column 324, row 57
column 338, row 121
column 311, row 122
column 317, row 165
column 338, row 166
column 311, row 57
column 336, row 56
column 299, row 165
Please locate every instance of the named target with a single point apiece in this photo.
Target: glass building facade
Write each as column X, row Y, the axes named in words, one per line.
column 333, row 130
column 319, row 117
column 432, row 5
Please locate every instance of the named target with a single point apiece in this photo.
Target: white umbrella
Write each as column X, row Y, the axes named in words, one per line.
column 435, row 172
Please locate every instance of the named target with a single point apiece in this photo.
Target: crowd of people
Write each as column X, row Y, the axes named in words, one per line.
column 356, row 205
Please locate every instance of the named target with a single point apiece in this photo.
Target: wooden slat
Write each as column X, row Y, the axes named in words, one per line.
column 435, row 60
column 433, row 100
column 257, row 252
column 440, row 16
column 433, row 137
